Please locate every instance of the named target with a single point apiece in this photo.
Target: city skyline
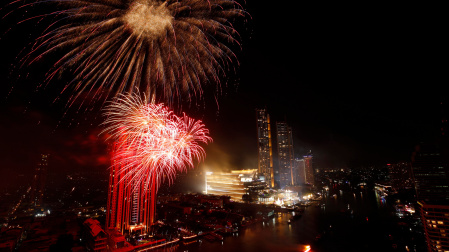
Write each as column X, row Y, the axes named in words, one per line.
column 222, row 125
column 351, row 103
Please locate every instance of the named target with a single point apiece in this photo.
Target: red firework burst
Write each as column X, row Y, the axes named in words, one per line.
column 151, row 142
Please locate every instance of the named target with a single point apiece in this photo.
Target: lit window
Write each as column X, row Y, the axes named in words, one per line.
column 440, row 222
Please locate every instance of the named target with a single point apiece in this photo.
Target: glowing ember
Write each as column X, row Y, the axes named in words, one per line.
column 149, row 18
column 167, row 49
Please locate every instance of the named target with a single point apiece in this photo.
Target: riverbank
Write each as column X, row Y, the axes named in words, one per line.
column 344, row 220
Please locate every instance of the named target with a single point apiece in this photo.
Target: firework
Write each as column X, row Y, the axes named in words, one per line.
column 151, row 142
column 167, row 47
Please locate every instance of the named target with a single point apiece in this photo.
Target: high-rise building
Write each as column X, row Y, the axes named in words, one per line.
column 435, row 218
column 299, row 172
column 38, row 184
column 430, row 166
column 430, row 170
column 285, row 153
column 130, row 206
column 265, row 157
column 308, row 168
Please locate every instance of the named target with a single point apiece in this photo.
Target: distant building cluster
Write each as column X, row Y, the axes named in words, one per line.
column 400, row 175
column 290, row 170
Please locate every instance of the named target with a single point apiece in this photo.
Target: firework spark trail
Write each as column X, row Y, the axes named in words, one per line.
column 171, row 47
column 152, row 142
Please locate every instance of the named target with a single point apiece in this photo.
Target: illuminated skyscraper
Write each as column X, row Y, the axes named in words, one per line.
column 130, row 207
column 265, row 157
column 285, row 153
column 38, row 186
column 299, row 172
column 308, row 168
column 430, row 168
column 430, row 172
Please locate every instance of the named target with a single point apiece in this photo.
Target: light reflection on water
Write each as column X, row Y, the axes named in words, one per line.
column 273, row 235
column 346, row 213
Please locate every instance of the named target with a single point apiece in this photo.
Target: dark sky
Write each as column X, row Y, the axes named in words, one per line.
column 358, row 84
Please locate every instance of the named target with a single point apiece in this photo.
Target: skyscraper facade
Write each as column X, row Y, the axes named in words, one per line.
column 299, row 172
column 308, row 170
column 430, row 170
column 130, row 206
column 436, row 225
column 285, row 154
column 430, row 166
column 265, row 157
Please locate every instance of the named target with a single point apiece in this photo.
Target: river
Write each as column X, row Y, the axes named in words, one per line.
column 348, row 221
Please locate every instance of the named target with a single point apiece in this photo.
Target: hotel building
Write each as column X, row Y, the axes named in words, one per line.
column 285, row 154
column 130, row 206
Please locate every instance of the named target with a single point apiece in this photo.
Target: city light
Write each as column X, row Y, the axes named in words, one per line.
column 307, row 197
column 307, row 141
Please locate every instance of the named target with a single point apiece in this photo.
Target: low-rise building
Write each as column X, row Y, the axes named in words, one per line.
column 94, row 236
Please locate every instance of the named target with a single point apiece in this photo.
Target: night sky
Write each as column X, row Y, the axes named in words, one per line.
column 359, row 85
